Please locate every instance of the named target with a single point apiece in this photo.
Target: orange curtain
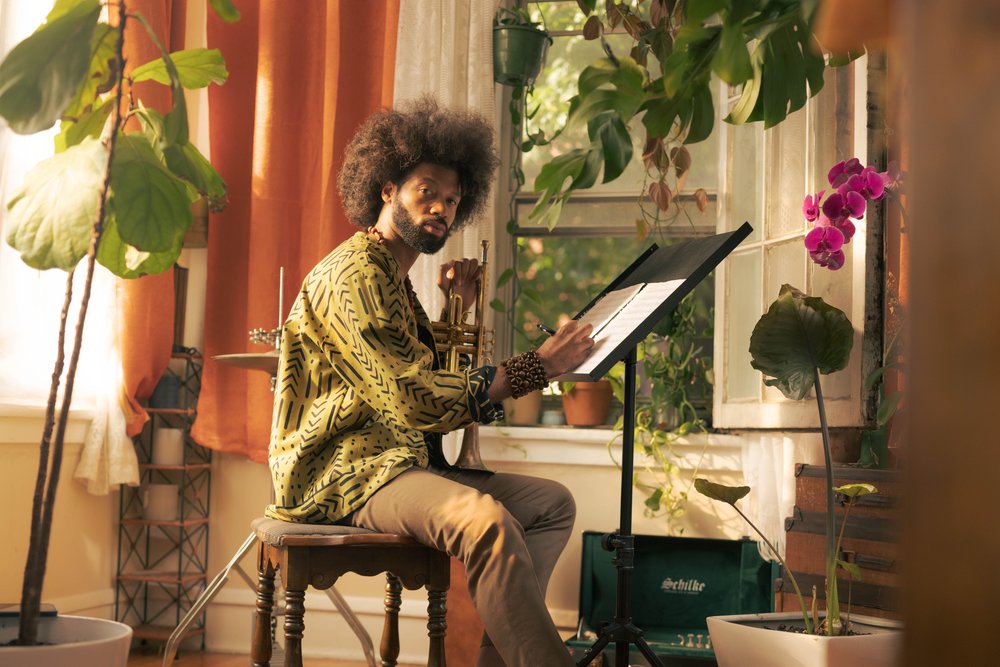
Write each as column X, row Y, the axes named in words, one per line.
column 146, row 305
column 302, row 78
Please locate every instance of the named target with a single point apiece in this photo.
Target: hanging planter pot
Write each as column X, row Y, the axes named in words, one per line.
column 518, row 53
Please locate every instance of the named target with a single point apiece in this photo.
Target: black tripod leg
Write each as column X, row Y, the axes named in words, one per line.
column 594, row 651
column 647, row 652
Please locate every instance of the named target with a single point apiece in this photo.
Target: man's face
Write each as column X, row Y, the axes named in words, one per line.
column 424, row 207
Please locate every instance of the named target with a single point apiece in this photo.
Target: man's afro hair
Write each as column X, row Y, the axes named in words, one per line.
column 391, row 142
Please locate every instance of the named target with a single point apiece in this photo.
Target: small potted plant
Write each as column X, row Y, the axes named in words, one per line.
column 519, row 47
column 797, row 340
column 586, row 403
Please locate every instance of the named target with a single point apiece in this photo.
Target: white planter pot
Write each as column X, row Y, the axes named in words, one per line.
column 747, row 640
column 68, row 640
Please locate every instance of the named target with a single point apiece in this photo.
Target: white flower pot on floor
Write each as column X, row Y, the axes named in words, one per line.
column 75, row 641
column 749, row 640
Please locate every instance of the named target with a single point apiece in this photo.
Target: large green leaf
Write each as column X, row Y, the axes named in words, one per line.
column 225, row 10
column 184, row 160
column 702, row 116
column 196, row 68
column 51, row 217
column 798, row 334
column 732, row 60
column 152, row 207
column 721, row 492
column 100, row 73
column 41, row 75
column 90, row 124
column 610, row 133
column 126, row 261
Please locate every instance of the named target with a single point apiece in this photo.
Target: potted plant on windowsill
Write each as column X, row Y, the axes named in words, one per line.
column 119, row 198
column 797, row 340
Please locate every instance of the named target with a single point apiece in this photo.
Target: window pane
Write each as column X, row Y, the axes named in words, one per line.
column 745, row 178
column 744, row 309
column 787, row 172
column 834, row 125
column 625, row 214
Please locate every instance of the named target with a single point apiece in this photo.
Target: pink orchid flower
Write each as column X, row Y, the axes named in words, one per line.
column 869, row 184
column 844, row 204
column 825, row 246
column 843, row 170
column 810, row 206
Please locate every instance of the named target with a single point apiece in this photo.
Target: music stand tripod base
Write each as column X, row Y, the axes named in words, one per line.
column 622, row 632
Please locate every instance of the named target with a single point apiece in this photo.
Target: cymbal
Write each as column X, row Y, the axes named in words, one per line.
column 258, row 361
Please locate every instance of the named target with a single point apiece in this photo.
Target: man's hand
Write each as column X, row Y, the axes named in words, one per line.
column 463, row 275
column 566, row 348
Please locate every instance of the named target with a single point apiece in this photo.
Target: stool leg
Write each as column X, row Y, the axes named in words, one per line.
column 436, row 625
column 260, row 649
column 295, row 609
column 389, row 649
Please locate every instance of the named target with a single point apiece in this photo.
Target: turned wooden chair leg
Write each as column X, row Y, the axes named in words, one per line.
column 389, row 649
column 436, row 625
column 260, row 650
column 295, row 610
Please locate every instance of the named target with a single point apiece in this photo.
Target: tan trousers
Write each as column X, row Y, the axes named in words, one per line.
column 508, row 530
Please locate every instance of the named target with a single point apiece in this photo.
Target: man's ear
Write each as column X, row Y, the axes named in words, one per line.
column 388, row 190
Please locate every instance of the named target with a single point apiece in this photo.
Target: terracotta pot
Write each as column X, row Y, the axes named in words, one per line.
column 587, row 403
column 523, row 411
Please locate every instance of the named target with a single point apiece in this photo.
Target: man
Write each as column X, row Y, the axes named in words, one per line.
column 361, row 400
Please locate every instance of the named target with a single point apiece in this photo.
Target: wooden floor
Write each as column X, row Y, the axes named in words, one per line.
column 198, row 659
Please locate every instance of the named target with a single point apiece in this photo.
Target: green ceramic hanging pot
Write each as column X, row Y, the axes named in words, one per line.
column 518, row 54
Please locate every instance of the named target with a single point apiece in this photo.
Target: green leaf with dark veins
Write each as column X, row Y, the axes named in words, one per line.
column 151, row 206
column 50, row 219
column 126, row 261
column 798, row 334
column 100, row 73
column 41, row 75
column 721, row 492
column 196, row 68
column 90, row 124
column 225, row 10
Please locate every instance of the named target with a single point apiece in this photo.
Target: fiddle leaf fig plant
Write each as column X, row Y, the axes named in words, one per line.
column 110, row 195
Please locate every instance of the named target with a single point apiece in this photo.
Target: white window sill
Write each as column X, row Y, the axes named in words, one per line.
column 22, row 423
column 589, row 446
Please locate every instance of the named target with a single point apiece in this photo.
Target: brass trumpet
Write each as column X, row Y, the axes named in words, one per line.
column 456, row 340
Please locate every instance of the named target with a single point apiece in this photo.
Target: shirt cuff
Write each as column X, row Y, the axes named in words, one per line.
column 482, row 410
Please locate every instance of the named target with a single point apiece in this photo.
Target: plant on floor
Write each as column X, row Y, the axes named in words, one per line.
column 121, row 198
column 802, row 337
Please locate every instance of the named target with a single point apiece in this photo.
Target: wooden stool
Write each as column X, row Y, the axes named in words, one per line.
column 315, row 555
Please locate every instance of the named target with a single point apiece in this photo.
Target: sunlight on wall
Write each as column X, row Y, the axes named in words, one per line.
column 30, row 300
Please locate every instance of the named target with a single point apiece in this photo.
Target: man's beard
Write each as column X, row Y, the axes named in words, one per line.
column 414, row 235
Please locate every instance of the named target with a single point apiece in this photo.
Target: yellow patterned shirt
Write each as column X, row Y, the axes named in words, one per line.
column 358, row 387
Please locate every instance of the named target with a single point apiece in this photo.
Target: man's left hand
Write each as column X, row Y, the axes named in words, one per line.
column 462, row 275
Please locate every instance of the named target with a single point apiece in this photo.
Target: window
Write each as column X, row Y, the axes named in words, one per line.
column 765, row 175
column 598, row 234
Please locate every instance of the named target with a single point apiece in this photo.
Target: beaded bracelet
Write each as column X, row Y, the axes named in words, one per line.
column 525, row 373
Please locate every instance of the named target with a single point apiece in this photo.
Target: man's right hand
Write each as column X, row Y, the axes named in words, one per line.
column 566, row 348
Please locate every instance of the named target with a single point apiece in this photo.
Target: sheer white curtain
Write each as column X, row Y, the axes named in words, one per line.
column 30, row 304
column 445, row 48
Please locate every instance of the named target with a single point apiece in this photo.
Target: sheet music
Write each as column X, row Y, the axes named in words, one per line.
column 621, row 316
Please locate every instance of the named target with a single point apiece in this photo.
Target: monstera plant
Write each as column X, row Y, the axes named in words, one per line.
column 110, row 195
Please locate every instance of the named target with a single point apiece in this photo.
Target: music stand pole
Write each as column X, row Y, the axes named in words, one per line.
column 622, row 631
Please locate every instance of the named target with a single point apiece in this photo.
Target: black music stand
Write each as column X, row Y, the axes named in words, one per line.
column 688, row 263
